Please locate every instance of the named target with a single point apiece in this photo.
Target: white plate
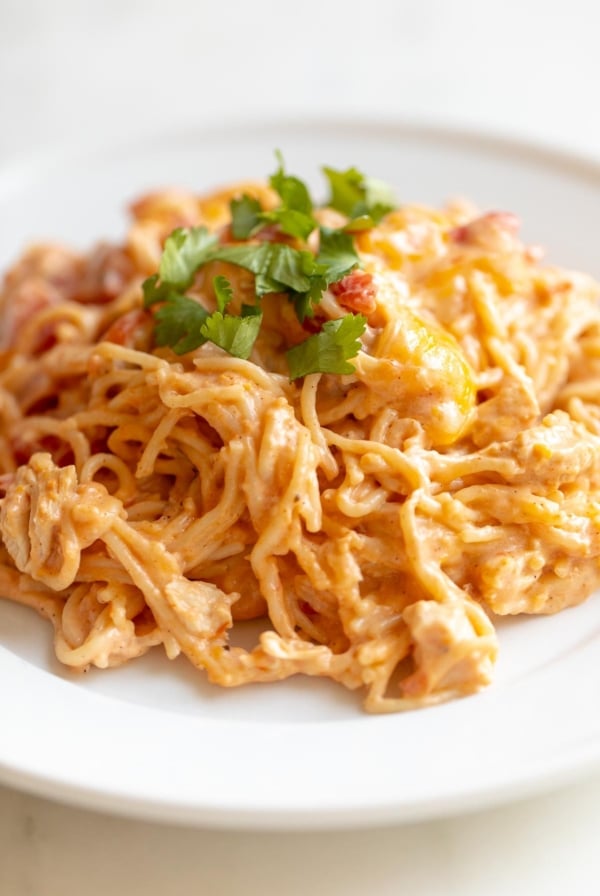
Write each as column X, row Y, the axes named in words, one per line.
column 153, row 739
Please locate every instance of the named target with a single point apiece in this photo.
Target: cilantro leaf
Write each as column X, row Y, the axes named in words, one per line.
column 236, row 335
column 329, row 350
column 290, row 221
column 280, row 268
column 294, row 214
column 179, row 324
column 154, row 291
column 277, row 267
column 184, row 252
column 254, row 258
column 293, row 192
column 346, row 189
column 223, row 291
column 379, row 198
column 250, row 310
column 304, row 302
column 246, row 217
column 358, row 196
column 336, row 254
column 292, row 268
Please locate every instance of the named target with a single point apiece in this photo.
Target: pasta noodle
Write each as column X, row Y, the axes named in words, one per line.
column 377, row 520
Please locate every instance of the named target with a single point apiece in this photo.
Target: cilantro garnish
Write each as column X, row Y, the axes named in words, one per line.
column 294, row 193
column 294, row 271
column 293, row 215
column 337, row 254
column 179, row 324
column 330, row 350
column 245, row 217
column 276, row 267
column 184, row 252
column 235, row 335
column 364, row 200
column 304, row 277
column 223, row 292
column 184, row 324
column 154, row 291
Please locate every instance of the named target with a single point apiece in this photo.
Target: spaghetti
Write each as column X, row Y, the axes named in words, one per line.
column 376, row 519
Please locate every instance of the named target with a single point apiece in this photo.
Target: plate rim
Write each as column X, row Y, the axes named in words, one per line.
column 553, row 155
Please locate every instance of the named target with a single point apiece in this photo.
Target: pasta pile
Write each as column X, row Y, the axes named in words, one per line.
column 376, row 519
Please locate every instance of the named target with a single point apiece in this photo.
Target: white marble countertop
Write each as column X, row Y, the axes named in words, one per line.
column 70, row 68
column 545, row 846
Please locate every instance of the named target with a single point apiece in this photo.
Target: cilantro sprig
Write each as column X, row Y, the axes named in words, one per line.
column 365, row 200
column 292, row 270
column 246, row 217
column 184, row 324
column 235, row 335
column 179, row 324
column 330, row 350
column 293, row 216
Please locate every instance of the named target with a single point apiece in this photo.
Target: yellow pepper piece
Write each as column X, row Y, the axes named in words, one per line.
column 419, row 368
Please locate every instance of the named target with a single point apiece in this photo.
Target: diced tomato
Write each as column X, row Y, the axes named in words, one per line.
column 133, row 330
column 356, row 292
column 313, row 324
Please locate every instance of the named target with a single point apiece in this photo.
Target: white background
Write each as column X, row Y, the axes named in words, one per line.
column 73, row 72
